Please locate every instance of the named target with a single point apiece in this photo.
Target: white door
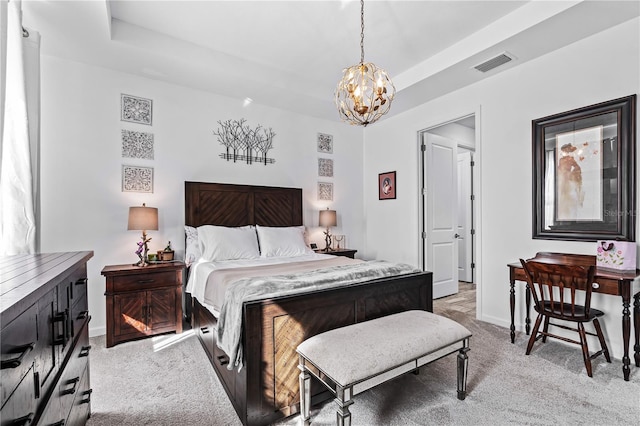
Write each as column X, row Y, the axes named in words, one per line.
column 441, row 202
column 465, row 239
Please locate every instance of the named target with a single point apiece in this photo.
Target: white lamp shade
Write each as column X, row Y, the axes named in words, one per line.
column 143, row 218
column 328, row 218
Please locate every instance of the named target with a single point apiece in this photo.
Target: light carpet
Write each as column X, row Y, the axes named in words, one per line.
column 168, row 380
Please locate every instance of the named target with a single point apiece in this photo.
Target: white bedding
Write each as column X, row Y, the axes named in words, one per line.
column 200, row 270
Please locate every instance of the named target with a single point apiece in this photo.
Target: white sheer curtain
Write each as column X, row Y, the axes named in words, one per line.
column 20, row 138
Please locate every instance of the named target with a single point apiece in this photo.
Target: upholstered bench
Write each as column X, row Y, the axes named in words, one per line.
column 352, row 359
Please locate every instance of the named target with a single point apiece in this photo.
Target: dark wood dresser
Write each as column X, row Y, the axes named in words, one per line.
column 44, row 339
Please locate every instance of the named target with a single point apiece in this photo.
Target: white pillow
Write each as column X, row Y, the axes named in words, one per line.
column 192, row 252
column 282, row 241
column 226, row 243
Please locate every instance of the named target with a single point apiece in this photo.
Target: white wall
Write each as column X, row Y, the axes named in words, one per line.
column 83, row 207
column 602, row 67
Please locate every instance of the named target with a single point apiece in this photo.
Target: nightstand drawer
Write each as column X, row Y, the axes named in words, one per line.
column 135, row 282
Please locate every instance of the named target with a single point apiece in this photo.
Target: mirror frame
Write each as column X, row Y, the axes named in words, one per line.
column 624, row 189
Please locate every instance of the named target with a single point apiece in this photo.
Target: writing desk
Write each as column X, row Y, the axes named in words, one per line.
column 606, row 281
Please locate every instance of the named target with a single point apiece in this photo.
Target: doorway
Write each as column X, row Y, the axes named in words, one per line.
column 448, row 205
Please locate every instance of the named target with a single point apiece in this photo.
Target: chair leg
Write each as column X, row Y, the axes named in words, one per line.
column 545, row 329
column 305, row 393
column 463, row 365
column 343, row 401
column 585, row 349
column 603, row 344
column 534, row 333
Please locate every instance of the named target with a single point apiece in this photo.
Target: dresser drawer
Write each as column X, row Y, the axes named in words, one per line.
column 81, row 408
column 20, row 408
column 70, row 383
column 17, row 342
column 136, row 282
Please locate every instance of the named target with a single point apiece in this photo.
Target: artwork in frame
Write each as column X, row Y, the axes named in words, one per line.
column 135, row 109
column 325, row 143
column 137, row 144
column 325, row 191
column 325, row 167
column 137, row 179
column 584, row 173
column 387, row 186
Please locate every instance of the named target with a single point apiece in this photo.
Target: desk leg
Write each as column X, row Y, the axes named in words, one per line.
column 527, row 298
column 626, row 333
column 636, row 326
column 512, row 303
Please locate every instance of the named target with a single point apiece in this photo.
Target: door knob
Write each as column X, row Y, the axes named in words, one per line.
column 456, row 236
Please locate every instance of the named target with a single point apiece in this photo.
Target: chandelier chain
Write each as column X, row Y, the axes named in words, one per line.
column 362, row 31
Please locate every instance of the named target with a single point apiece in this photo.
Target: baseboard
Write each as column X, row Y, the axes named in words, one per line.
column 97, row 331
column 501, row 322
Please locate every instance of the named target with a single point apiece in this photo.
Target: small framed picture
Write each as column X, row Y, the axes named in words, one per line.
column 137, row 179
column 325, row 143
column 387, row 186
column 135, row 109
column 325, row 191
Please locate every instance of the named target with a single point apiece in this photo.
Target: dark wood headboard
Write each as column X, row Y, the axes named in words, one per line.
column 239, row 205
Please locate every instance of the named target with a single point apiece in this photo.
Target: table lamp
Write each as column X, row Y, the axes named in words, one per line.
column 143, row 219
column 327, row 219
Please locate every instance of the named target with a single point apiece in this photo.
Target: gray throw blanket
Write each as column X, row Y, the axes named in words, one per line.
column 257, row 288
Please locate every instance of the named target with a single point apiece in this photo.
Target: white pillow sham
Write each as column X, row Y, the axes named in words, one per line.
column 228, row 243
column 192, row 251
column 282, row 241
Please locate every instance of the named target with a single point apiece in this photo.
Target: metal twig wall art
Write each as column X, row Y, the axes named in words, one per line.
column 244, row 143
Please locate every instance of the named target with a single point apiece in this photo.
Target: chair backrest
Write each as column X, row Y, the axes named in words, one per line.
column 554, row 287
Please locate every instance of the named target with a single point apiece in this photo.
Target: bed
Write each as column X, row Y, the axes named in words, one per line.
column 266, row 387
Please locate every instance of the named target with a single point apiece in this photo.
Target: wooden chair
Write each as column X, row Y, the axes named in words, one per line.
column 554, row 292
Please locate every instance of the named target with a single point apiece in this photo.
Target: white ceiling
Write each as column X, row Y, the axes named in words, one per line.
column 290, row 54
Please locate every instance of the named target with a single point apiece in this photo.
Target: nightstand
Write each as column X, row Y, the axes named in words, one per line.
column 143, row 301
column 339, row 252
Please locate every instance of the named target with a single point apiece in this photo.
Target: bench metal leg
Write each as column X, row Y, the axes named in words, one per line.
column 463, row 364
column 305, row 393
column 343, row 401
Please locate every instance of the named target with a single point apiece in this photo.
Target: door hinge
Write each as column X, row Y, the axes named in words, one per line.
column 424, row 191
column 473, row 197
column 473, row 163
column 473, row 265
column 423, row 148
column 473, row 232
column 424, row 235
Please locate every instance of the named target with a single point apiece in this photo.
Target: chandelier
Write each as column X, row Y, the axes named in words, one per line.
column 365, row 92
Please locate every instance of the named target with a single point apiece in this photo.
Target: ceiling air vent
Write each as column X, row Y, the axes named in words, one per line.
column 495, row 62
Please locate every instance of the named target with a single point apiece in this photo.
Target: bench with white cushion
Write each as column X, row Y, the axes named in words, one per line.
column 352, row 359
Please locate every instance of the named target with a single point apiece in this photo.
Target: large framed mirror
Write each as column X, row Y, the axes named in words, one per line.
column 584, row 173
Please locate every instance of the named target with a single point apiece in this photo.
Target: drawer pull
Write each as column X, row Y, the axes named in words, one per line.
column 36, row 384
column 595, row 285
column 86, row 400
column 204, row 330
column 61, row 317
column 84, row 351
column 150, row 280
column 15, row 362
column 223, row 359
column 22, row 421
column 71, row 391
column 83, row 315
column 82, row 281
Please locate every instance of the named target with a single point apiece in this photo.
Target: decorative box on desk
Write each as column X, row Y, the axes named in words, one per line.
column 339, row 252
column 143, row 301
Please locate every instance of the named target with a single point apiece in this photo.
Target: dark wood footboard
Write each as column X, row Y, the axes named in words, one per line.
column 266, row 389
